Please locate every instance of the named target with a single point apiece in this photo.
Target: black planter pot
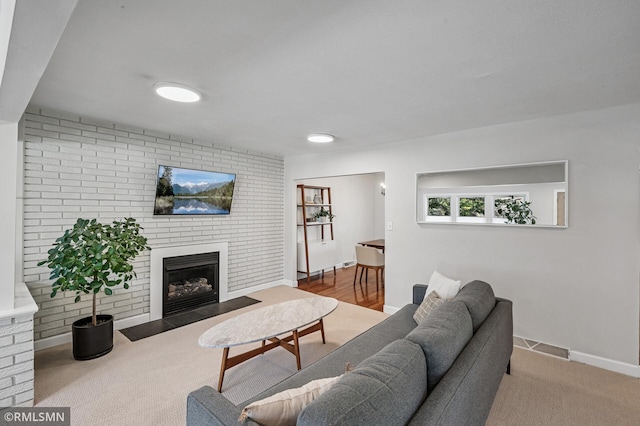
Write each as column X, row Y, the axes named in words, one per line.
column 91, row 341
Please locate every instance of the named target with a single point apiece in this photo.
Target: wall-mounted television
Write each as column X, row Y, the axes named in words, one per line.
column 193, row 192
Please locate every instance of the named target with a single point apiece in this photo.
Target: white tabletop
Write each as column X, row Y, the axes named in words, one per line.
column 267, row 322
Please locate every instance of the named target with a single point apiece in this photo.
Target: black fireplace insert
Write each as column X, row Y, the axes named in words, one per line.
column 189, row 282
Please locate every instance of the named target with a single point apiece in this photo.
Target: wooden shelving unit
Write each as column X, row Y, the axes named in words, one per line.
column 315, row 254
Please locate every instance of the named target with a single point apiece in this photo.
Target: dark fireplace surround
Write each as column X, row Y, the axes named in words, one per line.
column 189, row 282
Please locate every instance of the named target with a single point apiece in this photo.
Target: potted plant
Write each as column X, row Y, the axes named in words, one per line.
column 89, row 258
column 515, row 210
column 323, row 215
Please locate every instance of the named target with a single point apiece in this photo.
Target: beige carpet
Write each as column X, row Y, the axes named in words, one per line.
column 147, row 382
column 550, row 391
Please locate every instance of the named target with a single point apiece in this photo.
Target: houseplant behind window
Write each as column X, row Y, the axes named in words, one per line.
column 89, row 258
column 515, row 210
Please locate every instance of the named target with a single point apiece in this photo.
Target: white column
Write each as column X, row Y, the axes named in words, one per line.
column 8, row 206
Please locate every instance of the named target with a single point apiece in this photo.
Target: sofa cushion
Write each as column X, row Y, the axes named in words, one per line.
column 430, row 301
column 442, row 336
column 479, row 298
column 386, row 388
column 354, row 351
column 283, row 407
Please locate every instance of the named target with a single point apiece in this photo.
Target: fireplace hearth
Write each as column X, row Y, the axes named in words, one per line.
column 189, row 282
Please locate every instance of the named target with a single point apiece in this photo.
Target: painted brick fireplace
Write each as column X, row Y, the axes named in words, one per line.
column 159, row 259
column 82, row 167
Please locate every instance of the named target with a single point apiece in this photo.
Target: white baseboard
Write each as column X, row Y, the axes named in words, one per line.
column 49, row 342
column 390, row 309
column 290, row 283
column 61, row 339
column 131, row 321
column 605, row 363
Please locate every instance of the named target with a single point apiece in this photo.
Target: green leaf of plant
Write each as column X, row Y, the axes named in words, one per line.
column 91, row 255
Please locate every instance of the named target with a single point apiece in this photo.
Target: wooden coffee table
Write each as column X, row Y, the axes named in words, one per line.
column 266, row 324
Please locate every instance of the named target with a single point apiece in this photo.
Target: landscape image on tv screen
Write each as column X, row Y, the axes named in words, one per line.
column 189, row 192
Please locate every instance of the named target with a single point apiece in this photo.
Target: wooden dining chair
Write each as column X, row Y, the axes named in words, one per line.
column 369, row 258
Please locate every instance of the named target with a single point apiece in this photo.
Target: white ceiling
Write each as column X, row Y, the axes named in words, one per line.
column 367, row 71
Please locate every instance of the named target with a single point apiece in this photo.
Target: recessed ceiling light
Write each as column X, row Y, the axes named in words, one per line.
column 320, row 138
column 177, row 92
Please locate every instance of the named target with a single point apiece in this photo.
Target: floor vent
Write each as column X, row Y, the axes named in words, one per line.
column 541, row 347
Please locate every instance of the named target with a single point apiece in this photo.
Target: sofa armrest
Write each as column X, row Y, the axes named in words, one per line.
column 419, row 290
column 206, row 406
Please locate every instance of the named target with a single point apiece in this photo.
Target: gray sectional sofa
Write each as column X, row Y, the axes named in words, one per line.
column 445, row 371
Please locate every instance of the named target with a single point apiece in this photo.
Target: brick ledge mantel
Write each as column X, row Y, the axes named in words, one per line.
column 23, row 303
column 16, row 350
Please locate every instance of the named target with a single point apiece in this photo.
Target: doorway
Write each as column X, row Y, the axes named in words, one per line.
column 358, row 203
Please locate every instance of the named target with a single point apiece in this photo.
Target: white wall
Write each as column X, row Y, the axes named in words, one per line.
column 359, row 210
column 576, row 288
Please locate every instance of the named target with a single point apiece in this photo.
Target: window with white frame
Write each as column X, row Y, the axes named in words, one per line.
column 438, row 208
column 469, row 208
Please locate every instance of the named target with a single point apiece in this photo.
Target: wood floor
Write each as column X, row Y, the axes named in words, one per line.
column 340, row 286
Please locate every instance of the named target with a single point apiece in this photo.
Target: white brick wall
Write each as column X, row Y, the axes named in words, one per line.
column 16, row 361
column 81, row 167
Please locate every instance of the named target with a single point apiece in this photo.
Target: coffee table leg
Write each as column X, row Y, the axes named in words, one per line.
column 223, row 368
column 296, row 347
column 322, row 331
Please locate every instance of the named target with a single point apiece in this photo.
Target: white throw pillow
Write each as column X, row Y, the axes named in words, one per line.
column 445, row 287
column 283, row 408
